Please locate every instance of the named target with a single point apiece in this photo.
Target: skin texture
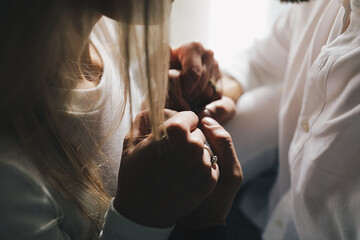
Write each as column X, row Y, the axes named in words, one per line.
column 159, row 182
column 192, row 69
column 190, row 86
column 173, row 174
column 221, row 110
column 215, row 208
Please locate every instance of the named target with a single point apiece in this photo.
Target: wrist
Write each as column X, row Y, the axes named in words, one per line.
column 231, row 88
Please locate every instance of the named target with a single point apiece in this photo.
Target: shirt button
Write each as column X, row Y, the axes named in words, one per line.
column 305, row 125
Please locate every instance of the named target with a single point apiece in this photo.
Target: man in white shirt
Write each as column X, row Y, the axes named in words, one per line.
column 313, row 52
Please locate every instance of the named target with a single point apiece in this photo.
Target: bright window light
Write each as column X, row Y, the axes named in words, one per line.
column 222, row 25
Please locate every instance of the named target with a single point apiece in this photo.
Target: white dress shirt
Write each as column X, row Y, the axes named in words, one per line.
column 316, row 194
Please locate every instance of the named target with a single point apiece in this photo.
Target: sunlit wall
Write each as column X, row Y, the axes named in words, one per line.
column 222, row 25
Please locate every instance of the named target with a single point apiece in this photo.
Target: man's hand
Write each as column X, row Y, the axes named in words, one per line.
column 215, row 208
column 221, row 110
column 194, row 84
column 160, row 181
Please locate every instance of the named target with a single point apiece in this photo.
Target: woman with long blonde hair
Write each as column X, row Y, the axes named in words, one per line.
column 69, row 77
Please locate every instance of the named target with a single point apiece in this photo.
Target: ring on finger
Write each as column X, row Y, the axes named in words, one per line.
column 213, row 157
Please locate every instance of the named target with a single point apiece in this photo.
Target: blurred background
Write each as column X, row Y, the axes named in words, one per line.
column 222, row 25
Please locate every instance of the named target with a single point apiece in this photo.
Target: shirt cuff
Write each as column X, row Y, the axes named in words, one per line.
column 117, row 226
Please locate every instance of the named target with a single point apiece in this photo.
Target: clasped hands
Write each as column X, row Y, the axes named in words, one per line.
column 195, row 83
column 172, row 181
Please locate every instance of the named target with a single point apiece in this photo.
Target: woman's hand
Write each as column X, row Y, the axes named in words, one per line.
column 194, row 84
column 160, row 181
column 215, row 208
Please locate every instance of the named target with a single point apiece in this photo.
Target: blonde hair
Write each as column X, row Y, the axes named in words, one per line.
column 37, row 54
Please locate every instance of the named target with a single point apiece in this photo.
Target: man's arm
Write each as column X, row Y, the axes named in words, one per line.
column 231, row 88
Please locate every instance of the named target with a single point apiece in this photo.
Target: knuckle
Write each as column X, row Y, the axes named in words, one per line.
column 176, row 128
column 224, row 138
column 205, row 70
column 196, row 145
column 189, row 115
column 220, row 109
column 238, row 176
column 210, row 53
column 142, row 115
column 195, row 72
column 197, row 46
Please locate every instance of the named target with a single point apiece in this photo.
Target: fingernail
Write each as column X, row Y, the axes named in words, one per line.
column 209, row 121
column 206, row 113
column 211, row 107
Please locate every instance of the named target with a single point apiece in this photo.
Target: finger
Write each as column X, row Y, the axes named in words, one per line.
column 201, row 84
column 221, row 110
column 214, row 169
column 197, row 134
column 221, row 143
column 175, row 98
column 191, row 61
column 174, row 60
column 206, row 90
column 175, row 82
column 141, row 124
column 205, row 97
column 177, row 103
column 208, row 63
column 169, row 113
column 218, row 138
column 138, row 132
column 214, row 76
column 180, row 125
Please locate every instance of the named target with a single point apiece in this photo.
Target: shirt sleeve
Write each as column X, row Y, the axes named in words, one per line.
column 117, row 226
column 27, row 211
column 265, row 62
